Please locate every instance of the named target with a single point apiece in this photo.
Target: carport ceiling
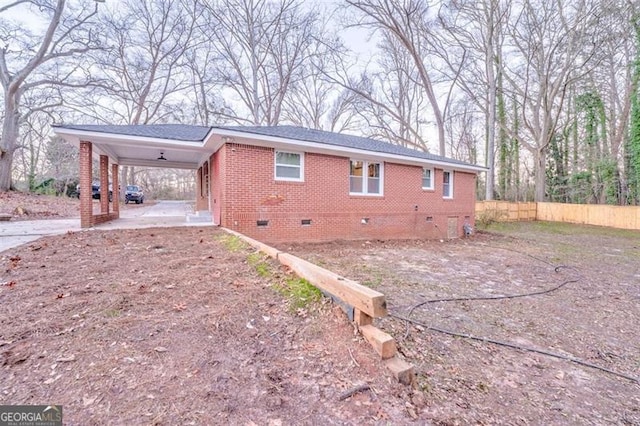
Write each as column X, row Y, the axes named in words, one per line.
column 167, row 146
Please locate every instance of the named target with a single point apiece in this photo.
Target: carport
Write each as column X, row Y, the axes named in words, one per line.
column 165, row 146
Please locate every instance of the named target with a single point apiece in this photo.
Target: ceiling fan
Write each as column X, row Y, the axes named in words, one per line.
column 161, row 157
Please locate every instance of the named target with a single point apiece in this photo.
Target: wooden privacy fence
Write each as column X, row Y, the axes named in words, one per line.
column 623, row 217
column 504, row 211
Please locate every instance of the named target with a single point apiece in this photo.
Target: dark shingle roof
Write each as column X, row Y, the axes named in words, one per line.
column 339, row 139
column 180, row 132
column 184, row 132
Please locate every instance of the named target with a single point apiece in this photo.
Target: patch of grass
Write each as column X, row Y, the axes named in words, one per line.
column 254, row 258
column 299, row 292
column 260, row 264
column 500, row 227
column 231, row 242
column 561, row 228
column 263, row 269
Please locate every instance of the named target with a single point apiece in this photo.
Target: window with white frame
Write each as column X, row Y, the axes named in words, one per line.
column 427, row 178
column 289, row 166
column 365, row 178
column 447, row 184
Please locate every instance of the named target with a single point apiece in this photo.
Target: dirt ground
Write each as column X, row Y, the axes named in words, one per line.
column 176, row 326
column 594, row 316
column 24, row 206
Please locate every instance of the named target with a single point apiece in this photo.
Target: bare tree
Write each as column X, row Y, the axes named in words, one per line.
column 30, row 156
column 316, row 101
column 30, row 61
column 144, row 68
column 462, row 126
column 408, row 22
column 551, row 46
column 204, row 104
column 471, row 46
column 397, row 113
column 62, row 163
column 264, row 48
column 613, row 78
column 383, row 116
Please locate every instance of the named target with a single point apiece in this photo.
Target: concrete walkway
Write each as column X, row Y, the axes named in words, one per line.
column 163, row 214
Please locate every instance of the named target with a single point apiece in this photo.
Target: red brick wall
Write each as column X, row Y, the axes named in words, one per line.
column 86, row 177
column 218, row 180
column 200, row 200
column 104, row 183
column 116, row 189
column 251, row 193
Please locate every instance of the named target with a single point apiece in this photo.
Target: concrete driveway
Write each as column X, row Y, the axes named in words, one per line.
column 161, row 214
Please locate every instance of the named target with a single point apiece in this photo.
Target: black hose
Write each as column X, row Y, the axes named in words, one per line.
column 515, row 346
column 557, row 268
column 512, row 296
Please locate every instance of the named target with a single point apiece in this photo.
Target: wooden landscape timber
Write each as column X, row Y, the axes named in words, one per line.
column 367, row 304
column 364, row 299
column 382, row 342
column 360, row 297
column 401, row 370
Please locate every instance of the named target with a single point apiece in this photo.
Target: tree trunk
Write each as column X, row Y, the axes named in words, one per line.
column 124, row 180
column 6, row 160
column 540, row 174
column 9, row 141
column 490, row 146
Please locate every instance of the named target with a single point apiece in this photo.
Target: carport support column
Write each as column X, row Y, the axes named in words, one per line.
column 86, row 203
column 198, row 186
column 116, row 190
column 104, row 184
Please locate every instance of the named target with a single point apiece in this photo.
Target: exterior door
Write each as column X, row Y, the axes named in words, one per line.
column 452, row 227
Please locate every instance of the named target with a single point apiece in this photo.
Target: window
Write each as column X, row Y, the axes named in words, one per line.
column 289, row 166
column 427, row 178
column 365, row 178
column 447, row 184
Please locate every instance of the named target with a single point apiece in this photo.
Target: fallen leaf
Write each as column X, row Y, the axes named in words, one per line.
column 160, row 349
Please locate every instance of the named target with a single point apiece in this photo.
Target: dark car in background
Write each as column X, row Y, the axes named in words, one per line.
column 95, row 192
column 134, row 193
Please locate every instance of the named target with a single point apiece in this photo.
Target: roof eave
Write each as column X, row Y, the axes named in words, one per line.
column 75, row 135
column 299, row 145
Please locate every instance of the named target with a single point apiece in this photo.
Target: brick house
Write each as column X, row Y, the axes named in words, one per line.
column 285, row 183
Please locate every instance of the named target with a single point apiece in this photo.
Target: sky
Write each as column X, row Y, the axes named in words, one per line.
column 359, row 40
